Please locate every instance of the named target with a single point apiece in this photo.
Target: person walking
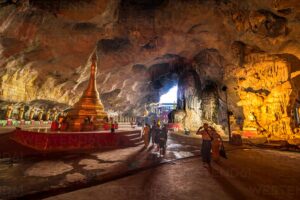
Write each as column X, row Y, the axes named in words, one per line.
column 216, row 145
column 150, row 133
column 157, row 138
column 153, row 132
column 206, row 144
column 112, row 126
column 163, row 137
column 146, row 133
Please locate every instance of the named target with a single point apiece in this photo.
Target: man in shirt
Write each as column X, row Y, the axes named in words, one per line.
column 206, row 143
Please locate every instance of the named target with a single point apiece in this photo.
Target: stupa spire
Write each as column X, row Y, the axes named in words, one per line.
column 89, row 105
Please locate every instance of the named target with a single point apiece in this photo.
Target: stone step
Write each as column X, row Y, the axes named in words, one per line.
column 133, row 135
column 139, row 143
column 132, row 138
column 135, row 139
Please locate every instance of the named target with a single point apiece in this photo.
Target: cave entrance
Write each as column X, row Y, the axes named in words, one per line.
column 167, row 103
column 186, row 92
column 170, row 96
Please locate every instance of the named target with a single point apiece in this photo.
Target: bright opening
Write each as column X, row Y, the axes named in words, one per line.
column 169, row 97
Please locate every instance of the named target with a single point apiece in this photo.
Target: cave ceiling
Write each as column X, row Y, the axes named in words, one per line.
column 143, row 46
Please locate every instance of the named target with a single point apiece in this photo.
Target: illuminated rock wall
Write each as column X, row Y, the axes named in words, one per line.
column 267, row 95
column 45, row 44
column 21, row 86
column 18, row 86
column 210, row 102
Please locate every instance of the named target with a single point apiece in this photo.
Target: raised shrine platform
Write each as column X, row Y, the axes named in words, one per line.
column 44, row 140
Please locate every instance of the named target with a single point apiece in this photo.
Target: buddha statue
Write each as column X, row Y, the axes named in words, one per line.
column 48, row 114
column 54, row 115
column 21, row 113
column 40, row 115
column 9, row 111
column 31, row 113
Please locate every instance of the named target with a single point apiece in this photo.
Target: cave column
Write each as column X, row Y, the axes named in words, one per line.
column 189, row 100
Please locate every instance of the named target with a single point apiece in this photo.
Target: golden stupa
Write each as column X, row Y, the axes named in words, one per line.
column 89, row 105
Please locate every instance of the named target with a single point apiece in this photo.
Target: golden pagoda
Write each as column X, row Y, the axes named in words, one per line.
column 89, row 105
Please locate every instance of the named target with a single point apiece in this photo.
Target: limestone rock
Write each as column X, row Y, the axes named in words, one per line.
column 267, row 95
column 145, row 47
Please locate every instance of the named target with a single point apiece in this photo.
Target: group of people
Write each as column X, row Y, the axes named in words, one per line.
column 112, row 125
column 211, row 144
column 62, row 124
column 157, row 135
column 59, row 124
column 211, row 141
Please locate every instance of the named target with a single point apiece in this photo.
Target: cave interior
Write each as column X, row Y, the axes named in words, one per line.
column 236, row 63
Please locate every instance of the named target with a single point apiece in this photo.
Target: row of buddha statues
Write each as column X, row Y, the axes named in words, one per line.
column 50, row 115
column 32, row 114
column 121, row 118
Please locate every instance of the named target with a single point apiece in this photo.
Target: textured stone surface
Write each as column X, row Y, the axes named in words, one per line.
column 90, row 164
column 244, row 176
column 75, row 177
column 267, row 94
column 48, row 168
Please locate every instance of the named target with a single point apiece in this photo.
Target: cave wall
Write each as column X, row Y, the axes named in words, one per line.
column 189, row 99
column 268, row 95
column 45, row 48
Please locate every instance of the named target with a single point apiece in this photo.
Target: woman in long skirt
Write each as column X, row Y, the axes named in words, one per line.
column 216, row 144
column 163, row 137
column 146, row 133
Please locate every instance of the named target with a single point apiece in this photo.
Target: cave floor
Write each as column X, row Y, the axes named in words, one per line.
column 137, row 173
column 247, row 174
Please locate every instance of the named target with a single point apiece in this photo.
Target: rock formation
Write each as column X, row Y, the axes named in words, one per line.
column 268, row 94
column 146, row 47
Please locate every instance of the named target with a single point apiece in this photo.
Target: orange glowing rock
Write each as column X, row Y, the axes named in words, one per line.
column 267, row 96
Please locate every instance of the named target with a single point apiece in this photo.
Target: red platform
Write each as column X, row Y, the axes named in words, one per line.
column 249, row 133
column 174, row 126
column 64, row 141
